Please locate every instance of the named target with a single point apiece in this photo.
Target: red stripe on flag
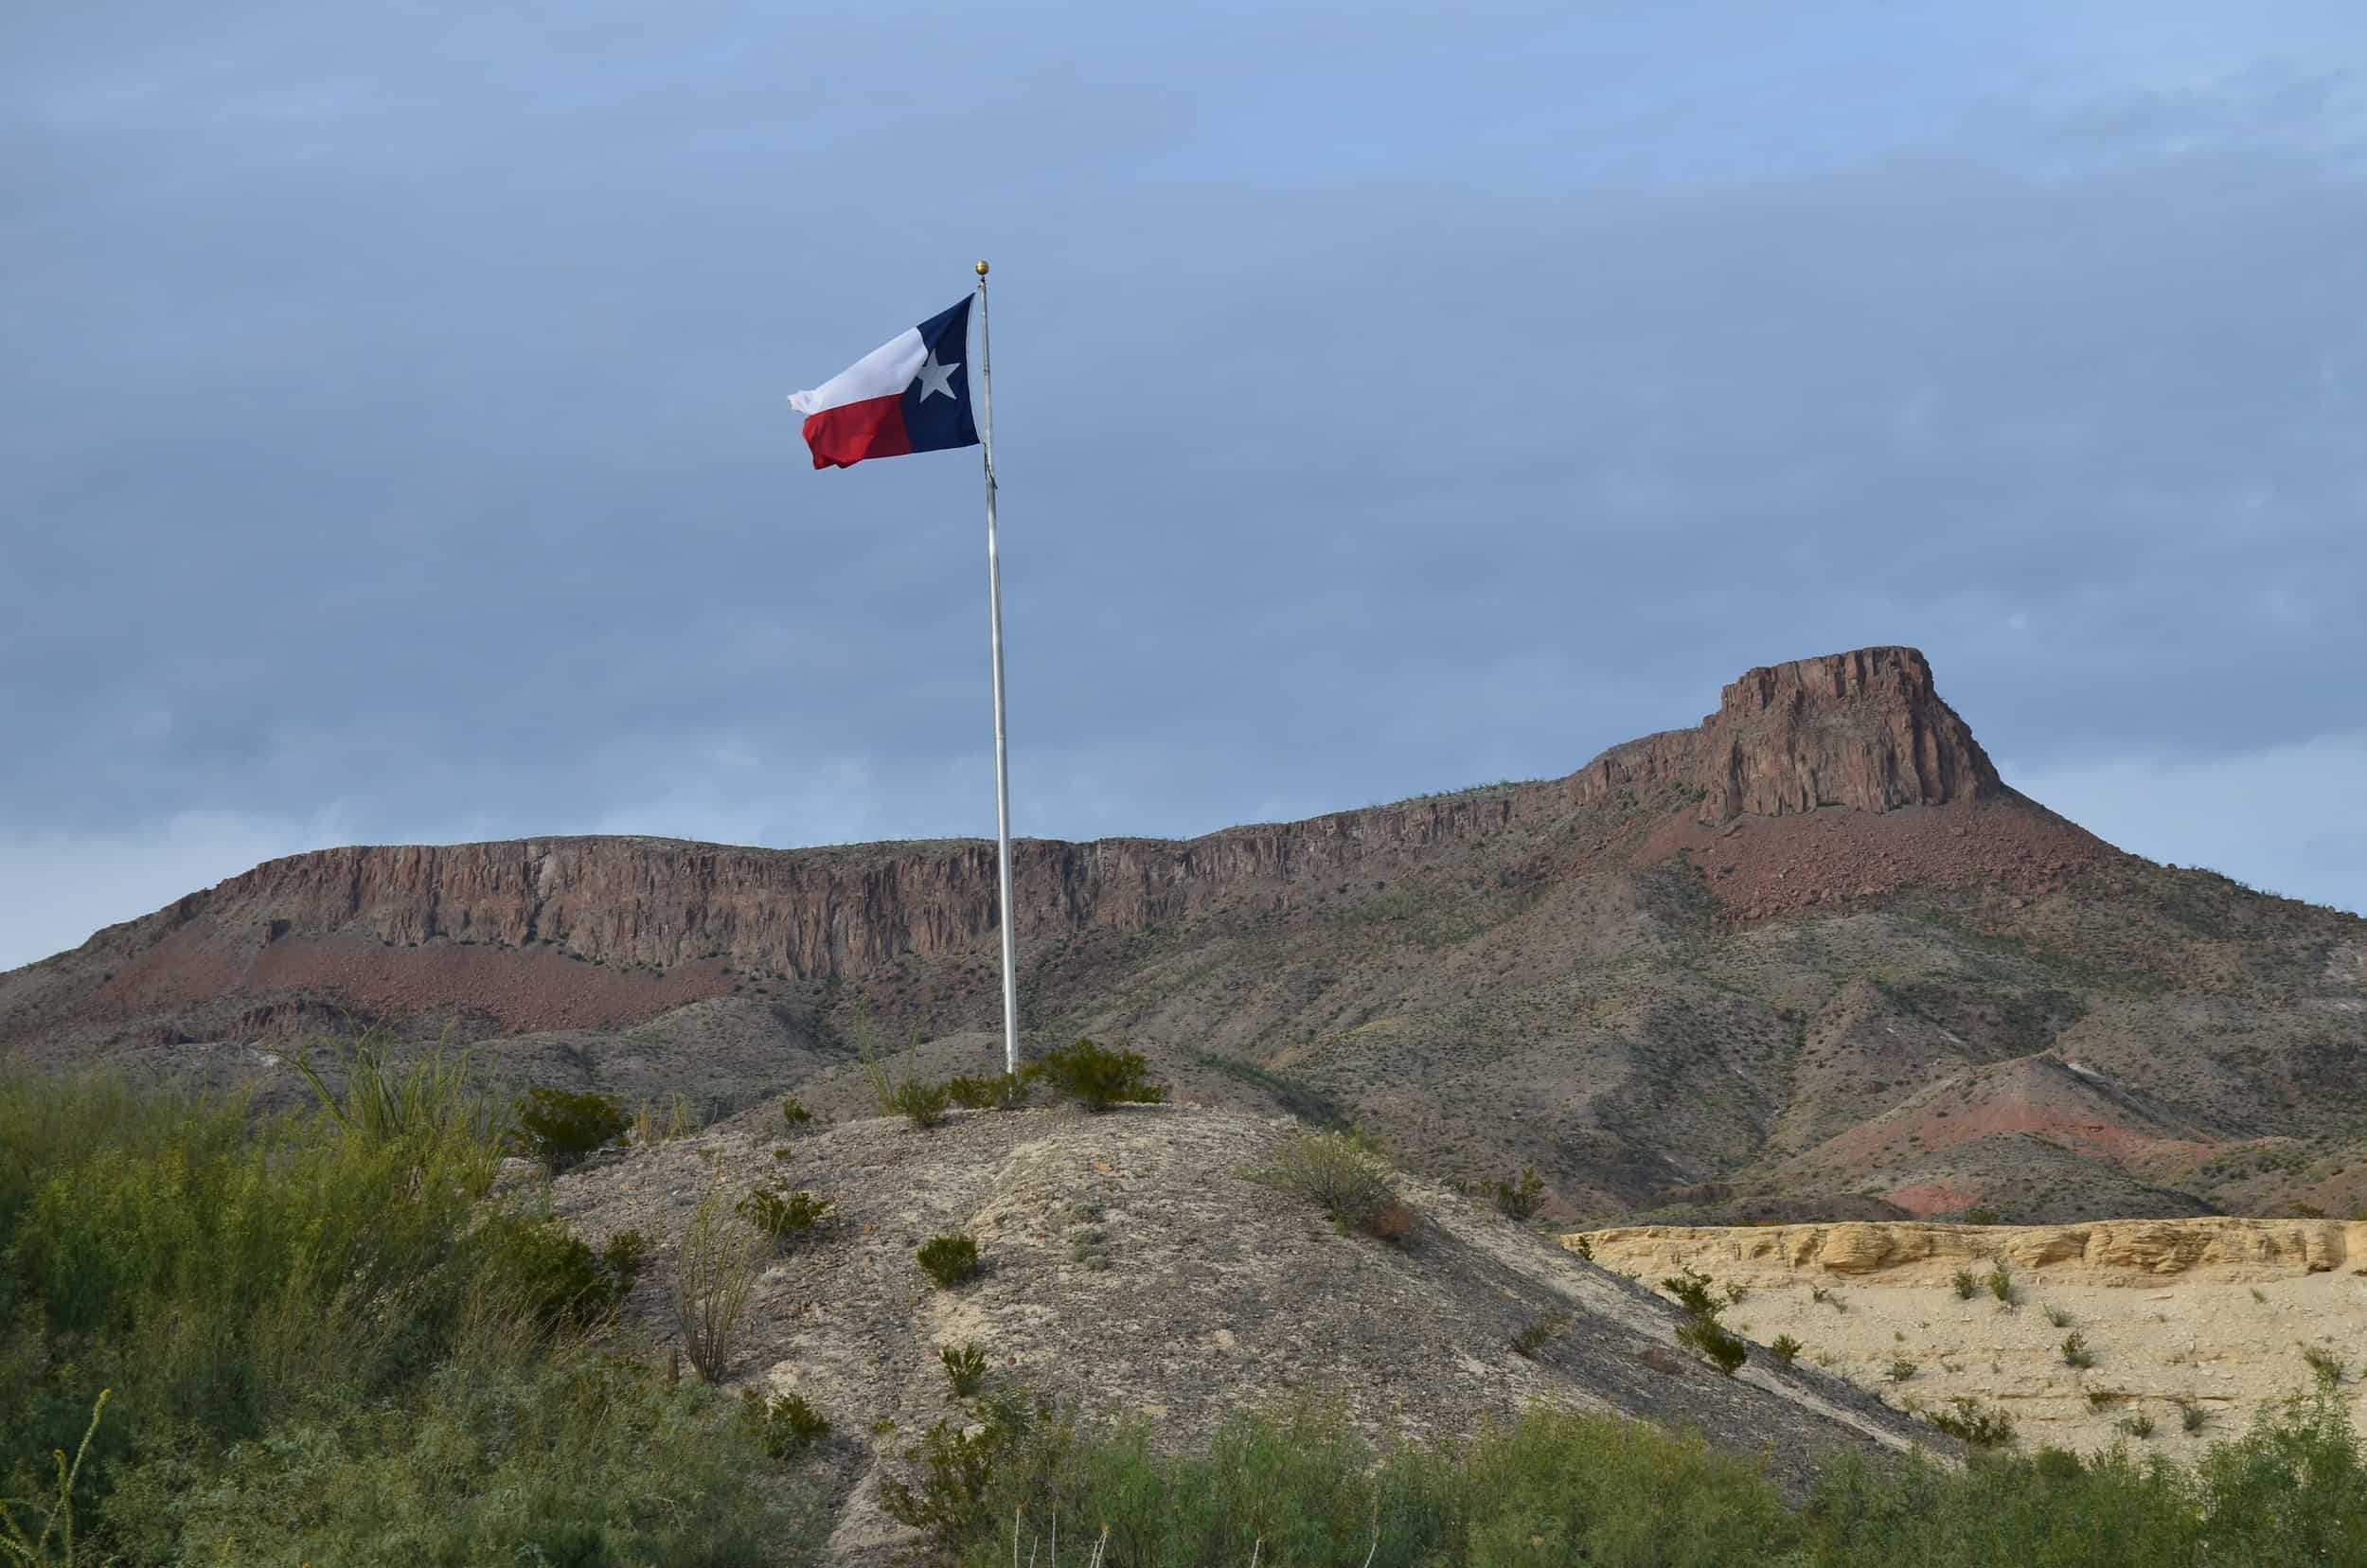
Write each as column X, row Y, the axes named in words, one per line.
column 844, row 435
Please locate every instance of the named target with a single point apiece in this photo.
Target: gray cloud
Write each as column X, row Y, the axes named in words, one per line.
column 391, row 433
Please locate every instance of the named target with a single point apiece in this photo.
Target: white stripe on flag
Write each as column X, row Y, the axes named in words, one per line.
column 885, row 372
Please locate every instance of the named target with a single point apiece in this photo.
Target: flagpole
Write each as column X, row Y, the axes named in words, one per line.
column 1002, row 757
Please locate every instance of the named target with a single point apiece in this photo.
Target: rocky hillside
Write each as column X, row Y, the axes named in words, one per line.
column 1133, row 1269
column 1810, row 957
column 2189, row 1328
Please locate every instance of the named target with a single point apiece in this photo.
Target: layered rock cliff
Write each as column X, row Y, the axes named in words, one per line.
column 1865, row 731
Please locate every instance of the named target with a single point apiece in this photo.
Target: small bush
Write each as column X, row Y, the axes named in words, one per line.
column 552, row 1274
column 2191, row 1415
column 1901, row 1369
column 1965, row 1285
column 1718, row 1345
column 1519, row 1199
column 1786, row 1349
column 1980, row 1216
column 1339, row 1173
column 783, row 1217
column 2002, row 1285
column 2075, row 1351
column 1098, row 1077
column 2327, row 1367
column 1827, row 1295
column 794, row 1113
column 715, row 1273
column 786, row 1425
column 2104, row 1398
column 1007, row 1091
column 949, row 1259
column 965, row 1368
column 1530, row 1340
column 1967, row 1420
column 2135, row 1426
column 1583, row 1247
column 922, row 1104
column 2060, row 1316
column 559, row 1127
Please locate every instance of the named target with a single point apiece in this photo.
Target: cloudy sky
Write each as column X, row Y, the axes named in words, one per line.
column 1388, row 399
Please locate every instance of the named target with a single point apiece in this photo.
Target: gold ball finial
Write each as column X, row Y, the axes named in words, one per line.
column 982, row 269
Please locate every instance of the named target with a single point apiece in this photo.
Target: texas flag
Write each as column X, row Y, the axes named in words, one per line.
column 907, row 395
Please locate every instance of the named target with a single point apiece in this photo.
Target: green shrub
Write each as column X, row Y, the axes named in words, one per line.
column 1098, row 1078
column 786, row 1425
column 1005, row 1092
column 955, row 1502
column 922, row 1104
column 1980, row 1216
column 2060, row 1316
column 1340, row 1174
column 561, row 1127
column 1901, row 1369
column 1786, row 1349
column 949, row 1259
column 1715, row 1344
column 1519, row 1199
column 794, row 1115
column 1966, row 1286
column 2075, row 1351
column 2135, row 1426
column 916, row 1100
column 1967, row 1419
column 2191, row 1415
column 965, row 1368
column 2324, row 1365
column 783, row 1217
column 330, row 1340
column 553, row 1274
column 2002, row 1285
column 1532, row 1338
column 582, row 1459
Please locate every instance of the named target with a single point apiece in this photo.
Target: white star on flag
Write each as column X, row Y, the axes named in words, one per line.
column 935, row 378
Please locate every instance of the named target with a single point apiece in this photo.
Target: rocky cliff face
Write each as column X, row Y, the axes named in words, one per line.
column 1861, row 730
column 1865, row 730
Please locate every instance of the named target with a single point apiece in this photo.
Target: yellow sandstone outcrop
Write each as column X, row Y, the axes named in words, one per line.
column 2107, row 1251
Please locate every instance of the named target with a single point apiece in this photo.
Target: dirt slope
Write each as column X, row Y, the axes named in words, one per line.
column 1215, row 1290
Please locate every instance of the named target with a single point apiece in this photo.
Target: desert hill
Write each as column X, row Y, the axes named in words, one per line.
column 1133, row 1269
column 1809, row 958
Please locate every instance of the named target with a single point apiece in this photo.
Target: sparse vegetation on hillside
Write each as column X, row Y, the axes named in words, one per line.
column 1968, row 1420
column 1344, row 1176
column 947, row 1259
column 784, row 1218
column 1715, row 1344
column 561, row 1126
column 1521, row 1199
column 331, row 1340
column 1099, row 1078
